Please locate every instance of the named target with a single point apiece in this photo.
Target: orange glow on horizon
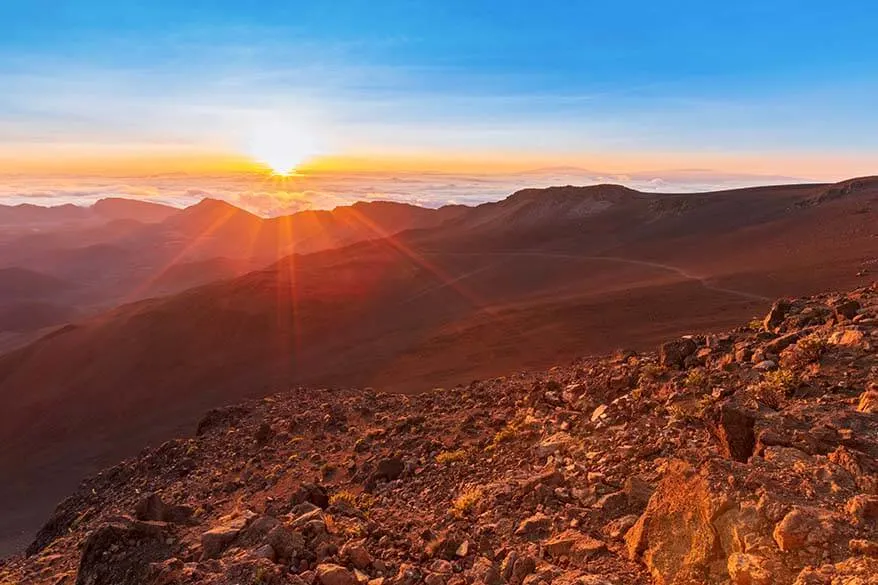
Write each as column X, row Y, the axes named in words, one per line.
column 82, row 160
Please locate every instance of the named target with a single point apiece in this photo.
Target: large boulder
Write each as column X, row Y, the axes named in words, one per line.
column 223, row 534
column 329, row 574
column 673, row 354
column 735, row 432
column 389, row 469
column 357, row 554
column 776, row 315
column 868, row 401
column 799, row 528
column 692, row 525
column 746, row 569
column 574, row 545
column 845, row 308
column 122, row 553
column 311, row 493
column 285, row 542
column 863, row 509
column 485, row 571
column 850, row 338
column 152, row 508
column 758, row 523
column 534, row 527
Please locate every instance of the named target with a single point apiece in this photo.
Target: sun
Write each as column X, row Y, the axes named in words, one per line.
column 281, row 153
column 281, row 160
column 281, row 166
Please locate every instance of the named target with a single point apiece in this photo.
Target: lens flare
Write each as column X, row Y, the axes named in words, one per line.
column 280, row 165
column 282, row 150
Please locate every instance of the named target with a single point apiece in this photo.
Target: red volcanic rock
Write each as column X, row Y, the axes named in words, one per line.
column 152, row 508
column 735, row 432
column 329, row 574
column 673, row 353
column 845, row 307
column 469, row 482
column 776, row 315
column 122, row 553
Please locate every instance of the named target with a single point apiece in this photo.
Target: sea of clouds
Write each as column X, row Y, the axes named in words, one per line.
column 271, row 196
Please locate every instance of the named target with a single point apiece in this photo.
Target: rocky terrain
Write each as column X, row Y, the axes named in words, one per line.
column 538, row 279
column 749, row 457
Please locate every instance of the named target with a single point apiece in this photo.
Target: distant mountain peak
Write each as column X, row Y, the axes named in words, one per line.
column 136, row 209
column 380, row 203
column 107, row 201
column 210, row 203
column 210, row 207
column 571, row 191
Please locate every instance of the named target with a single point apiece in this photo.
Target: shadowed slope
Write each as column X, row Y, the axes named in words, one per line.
column 120, row 259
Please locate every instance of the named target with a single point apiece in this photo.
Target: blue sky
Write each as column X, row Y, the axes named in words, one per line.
column 636, row 82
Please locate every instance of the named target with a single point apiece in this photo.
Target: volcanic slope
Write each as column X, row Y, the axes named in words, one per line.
column 561, row 272
column 749, row 456
column 135, row 244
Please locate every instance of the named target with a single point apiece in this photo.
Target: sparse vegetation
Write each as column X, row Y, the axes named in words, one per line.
column 768, row 396
column 362, row 501
column 513, row 430
column 691, row 410
column 650, row 373
column 261, row 576
column 448, row 457
column 809, row 350
column 782, row 380
column 466, row 502
column 562, row 466
column 344, row 497
column 812, row 347
column 697, row 379
column 775, row 387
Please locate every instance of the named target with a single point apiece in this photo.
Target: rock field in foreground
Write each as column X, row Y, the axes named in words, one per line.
column 749, row 458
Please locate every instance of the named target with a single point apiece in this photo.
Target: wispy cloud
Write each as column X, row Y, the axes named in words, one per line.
column 238, row 94
column 403, row 81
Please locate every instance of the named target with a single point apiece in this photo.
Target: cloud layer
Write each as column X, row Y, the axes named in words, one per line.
column 277, row 196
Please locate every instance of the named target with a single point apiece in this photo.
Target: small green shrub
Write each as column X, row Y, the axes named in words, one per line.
column 447, row 457
column 782, row 380
column 696, row 379
column 775, row 387
column 650, row 373
column 362, row 501
column 513, row 430
column 768, row 396
column 807, row 350
column 466, row 503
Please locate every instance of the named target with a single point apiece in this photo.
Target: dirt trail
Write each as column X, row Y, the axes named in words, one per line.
column 702, row 280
